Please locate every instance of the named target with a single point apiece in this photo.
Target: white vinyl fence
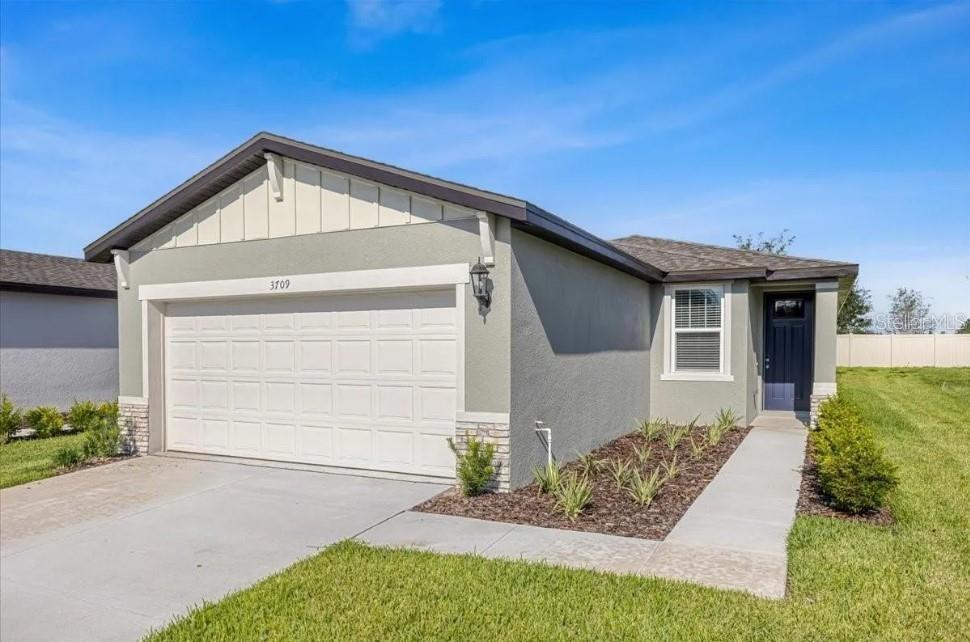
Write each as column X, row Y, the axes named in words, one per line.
column 897, row 350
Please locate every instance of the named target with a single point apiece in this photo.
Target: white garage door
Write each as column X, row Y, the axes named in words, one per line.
column 362, row 381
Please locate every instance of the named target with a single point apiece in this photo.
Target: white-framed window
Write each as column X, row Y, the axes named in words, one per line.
column 698, row 332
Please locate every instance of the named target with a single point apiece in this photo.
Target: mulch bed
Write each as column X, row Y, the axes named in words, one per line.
column 811, row 500
column 611, row 511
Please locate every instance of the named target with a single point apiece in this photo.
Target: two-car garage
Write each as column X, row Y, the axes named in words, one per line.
column 363, row 380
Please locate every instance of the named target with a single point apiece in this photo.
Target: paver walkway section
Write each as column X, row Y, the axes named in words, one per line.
column 734, row 536
column 108, row 553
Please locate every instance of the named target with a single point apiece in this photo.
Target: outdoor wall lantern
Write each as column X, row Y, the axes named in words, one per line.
column 480, row 289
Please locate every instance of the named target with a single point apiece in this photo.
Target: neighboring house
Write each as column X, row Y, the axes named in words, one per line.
column 58, row 329
column 294, row 303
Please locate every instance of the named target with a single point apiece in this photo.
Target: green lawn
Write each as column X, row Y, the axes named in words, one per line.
column 847, row 581
column 31, row 459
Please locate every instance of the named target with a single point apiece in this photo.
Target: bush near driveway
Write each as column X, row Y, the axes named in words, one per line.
column 11, row 418
column 46, row 421
column 83, row 415
column 853, row 471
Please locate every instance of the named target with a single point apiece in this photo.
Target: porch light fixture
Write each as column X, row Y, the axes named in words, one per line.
column 479, row 274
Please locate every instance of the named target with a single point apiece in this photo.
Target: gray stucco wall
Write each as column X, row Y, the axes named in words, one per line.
column 486, row 341
column 56, row 348
column 580, row 353
column 681, row 401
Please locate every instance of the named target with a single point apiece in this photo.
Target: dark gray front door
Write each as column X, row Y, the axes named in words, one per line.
column 789, row 332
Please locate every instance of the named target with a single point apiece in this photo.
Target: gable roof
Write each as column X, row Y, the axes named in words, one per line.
column 30, row 272
column 629, row 255
column 683, row 261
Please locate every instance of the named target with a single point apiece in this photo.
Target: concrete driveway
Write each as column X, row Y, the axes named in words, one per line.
column 109, row 553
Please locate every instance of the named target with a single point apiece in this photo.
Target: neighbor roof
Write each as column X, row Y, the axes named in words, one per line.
column 683, row 261
column 29, row 272
column 625, row 254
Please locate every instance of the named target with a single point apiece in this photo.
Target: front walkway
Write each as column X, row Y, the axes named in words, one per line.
column 734, row 536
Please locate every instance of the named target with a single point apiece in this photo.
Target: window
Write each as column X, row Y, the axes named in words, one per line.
column 698, row 330
column 789, row 308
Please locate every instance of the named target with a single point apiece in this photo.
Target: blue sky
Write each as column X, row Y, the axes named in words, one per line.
column 848, row 123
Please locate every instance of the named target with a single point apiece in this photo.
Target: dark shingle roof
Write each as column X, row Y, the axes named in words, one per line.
column 683, row 256
column 43, row 272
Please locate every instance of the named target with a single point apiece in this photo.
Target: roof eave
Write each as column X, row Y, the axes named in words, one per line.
column 42, row 288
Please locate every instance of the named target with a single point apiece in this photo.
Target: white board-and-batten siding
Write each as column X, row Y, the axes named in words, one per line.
column 314, row 200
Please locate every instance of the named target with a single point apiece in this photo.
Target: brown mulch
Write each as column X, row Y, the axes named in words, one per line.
column 811, row 500
column 611, row 511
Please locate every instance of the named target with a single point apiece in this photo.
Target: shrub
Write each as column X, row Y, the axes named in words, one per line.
column 644, row 488
column 853, row 472
column 674, row 435
column 475, row 467
column 68, row 457
column 671, row 468
column 697, row 448
column 643, row 453
column 589, row 465
column 109, row 410
column 652, row 428
column 716, row 432
column 102, row 440
column 620, row 471
column 547, row 477
column 83, row 415
column 10, row 418
column 45, row 420
column 573, row 495
column 726, row 418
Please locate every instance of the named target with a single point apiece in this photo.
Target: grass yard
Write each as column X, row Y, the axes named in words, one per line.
column 31, row 459
column 848, row 581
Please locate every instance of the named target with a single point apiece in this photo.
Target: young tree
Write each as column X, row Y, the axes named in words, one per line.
column 909, row 313
column 771, row 245
column 854, row 314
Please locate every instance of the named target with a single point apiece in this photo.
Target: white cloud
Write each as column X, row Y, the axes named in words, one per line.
column 375, row 19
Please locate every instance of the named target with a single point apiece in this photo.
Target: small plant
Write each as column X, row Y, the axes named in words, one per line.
column 573, row 495
column 475, row 468
column 643, row 488
column 693, row 423
column 697, row 447
column 620, row 471
column 68, row 457
column 83, row 415
column 102, row 440
column 726, row 418
column 652, row 428
column 716, row 432
column 853, row 472
column 674, row 435
column 671, row 468
column 109, row 410
column 547, row 477
column 10, row 418
column 45, row 420
column 589, row 465
column 643, row 453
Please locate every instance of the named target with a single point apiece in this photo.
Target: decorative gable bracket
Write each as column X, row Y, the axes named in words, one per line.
column 121, row 267
column 274, row 166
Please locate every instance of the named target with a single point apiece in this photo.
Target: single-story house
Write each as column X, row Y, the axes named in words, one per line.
column 58, row 330
column 294, row 303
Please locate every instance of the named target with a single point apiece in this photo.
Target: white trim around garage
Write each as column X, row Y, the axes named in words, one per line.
column 289, row 284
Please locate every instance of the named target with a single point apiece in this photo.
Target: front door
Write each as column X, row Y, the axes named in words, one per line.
column 789, row 331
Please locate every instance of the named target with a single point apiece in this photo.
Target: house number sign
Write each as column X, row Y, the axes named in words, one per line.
column 279, row 284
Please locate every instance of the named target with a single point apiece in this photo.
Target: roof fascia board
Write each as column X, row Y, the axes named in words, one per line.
column 685, row 276
column 550, row 227
column 826, row 272
column 38, row 288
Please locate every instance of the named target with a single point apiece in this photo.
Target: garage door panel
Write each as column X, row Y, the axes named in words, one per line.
column 362, row 380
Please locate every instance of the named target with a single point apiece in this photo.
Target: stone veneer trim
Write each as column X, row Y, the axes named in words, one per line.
column 133, row 422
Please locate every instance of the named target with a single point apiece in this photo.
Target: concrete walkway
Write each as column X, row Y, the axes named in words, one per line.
column 734, row 536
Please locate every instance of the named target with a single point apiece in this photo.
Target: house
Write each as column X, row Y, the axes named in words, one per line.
column 58, row 329
column 294, row 303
